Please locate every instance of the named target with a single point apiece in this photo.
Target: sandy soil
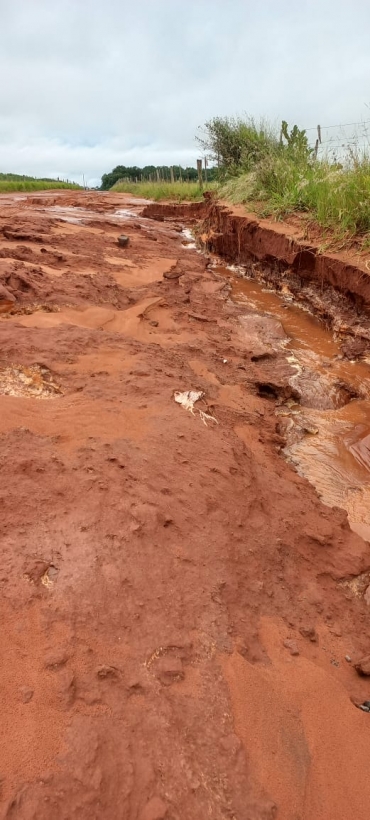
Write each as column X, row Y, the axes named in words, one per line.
column 176, row 603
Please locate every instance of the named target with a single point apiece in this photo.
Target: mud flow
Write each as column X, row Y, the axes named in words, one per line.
column 328, row 429
column 184, row 605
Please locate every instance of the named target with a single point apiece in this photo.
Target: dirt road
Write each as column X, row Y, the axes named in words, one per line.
column 176, row 602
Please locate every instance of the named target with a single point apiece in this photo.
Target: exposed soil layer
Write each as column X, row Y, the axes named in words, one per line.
column 335, row 285
column 177, row 603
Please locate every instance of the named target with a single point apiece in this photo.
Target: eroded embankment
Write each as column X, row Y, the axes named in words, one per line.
column 322, row 407
column 336, row 287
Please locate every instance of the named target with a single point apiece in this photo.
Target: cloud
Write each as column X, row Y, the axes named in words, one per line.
column 86, row 86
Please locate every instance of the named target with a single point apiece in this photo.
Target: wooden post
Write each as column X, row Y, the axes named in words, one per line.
column 158, row 175
column 172, row 176
column 200, row 175
column 205, row 169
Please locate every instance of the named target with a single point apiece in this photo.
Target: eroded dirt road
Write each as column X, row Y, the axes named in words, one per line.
column 176, row 603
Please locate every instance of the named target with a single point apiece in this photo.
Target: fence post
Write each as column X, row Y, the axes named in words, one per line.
column 172, row 176
column 200, row 175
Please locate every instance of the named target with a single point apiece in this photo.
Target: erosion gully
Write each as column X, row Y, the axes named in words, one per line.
column 184, row 606
column 334, row 450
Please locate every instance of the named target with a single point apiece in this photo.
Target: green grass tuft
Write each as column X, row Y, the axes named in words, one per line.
column 336, row 196
column 8, row 186
column 174, row 192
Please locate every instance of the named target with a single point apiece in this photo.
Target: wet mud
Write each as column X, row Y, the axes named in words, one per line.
column 183, row 603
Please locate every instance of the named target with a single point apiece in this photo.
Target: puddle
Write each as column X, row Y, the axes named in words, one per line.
column 332, row 448
column 188, row 238
column 125, row 213
column 80, row 216
column 34, row 381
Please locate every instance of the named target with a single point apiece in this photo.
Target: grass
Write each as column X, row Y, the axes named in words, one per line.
column 10, row 185
column 175, row 192
column 337, row 196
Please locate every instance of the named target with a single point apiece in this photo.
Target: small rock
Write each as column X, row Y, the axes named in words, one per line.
column 348, row 658
column 174, row 273
column 26, row 693
column 153, row 323
column 363, row 666
column 292, row 646
column 309, row 632
column 56, row 659
column 123, row 241
column 155, row 809
column 365, row 706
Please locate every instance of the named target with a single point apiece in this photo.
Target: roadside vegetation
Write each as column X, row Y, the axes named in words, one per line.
column 153, row 173
column 277, row 173
column 174, row 191
column 16, row 182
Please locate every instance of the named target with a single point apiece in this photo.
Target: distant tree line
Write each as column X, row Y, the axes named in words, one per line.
column 153, row 173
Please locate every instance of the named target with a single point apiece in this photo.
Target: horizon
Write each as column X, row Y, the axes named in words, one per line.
column 123, row 86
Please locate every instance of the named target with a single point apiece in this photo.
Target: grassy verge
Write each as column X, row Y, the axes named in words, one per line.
column 176, row 191
column 8, row 186
column 337, row 197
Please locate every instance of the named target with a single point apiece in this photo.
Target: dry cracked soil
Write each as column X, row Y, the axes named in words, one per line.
column 177, row 603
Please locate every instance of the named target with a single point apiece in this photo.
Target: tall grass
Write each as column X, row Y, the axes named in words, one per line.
column 7, row 186
column 336, row 195
column 172, row 191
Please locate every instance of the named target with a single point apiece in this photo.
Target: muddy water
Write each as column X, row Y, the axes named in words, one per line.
column 328, row 440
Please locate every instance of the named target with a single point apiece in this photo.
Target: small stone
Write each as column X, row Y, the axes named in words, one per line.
column 363, row 666
column 56, row 659
column 155, row 809
column 292, row 646
column 365, row 706
column 173, row 273
column 153, row 323
column 348, row 658
column 123, row 241
column 309, row 632
column 26, row 693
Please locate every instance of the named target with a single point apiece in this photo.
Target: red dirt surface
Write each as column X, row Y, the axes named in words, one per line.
column 176, row 602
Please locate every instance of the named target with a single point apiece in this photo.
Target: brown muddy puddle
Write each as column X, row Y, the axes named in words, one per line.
column 328, row 438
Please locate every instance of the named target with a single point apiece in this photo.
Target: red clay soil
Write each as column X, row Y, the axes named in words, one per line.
column 176, row 603
column 289, row 256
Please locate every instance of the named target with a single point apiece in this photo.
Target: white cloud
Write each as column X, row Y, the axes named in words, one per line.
column 88, row 85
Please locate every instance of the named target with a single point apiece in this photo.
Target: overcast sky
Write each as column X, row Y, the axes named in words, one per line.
column 89, row 84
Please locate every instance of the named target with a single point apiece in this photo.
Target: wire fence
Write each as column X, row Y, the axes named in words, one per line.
column 335, row 139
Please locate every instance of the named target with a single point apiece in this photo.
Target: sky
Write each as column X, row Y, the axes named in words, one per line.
column 90, row 84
